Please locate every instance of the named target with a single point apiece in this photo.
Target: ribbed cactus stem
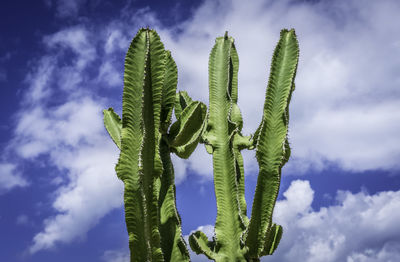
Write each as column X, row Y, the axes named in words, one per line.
column 221, row 136
column 144, row 165
column 272, row 147
column 139, row 164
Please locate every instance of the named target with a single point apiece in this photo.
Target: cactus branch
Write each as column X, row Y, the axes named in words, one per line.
column 223, row 126
column 271, row 141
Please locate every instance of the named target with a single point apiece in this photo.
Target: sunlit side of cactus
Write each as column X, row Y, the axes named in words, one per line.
column 146, row 140
column 238, row 238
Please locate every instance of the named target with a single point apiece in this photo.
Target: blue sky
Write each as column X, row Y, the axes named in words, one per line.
column 61, row 63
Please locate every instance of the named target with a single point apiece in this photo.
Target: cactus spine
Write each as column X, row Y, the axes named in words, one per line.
column 144, row 165
column 236, row 237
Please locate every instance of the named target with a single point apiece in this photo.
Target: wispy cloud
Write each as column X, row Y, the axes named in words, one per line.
column 62, row 120
column 72, row 136
column 10, row 178
column 66, row 9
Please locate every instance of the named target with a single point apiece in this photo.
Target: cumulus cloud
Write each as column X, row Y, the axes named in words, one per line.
column 343, row 109
column 389, row 252
column 359, row 228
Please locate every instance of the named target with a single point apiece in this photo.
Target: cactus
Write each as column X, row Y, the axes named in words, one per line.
column 238, row 238
column 146, row 138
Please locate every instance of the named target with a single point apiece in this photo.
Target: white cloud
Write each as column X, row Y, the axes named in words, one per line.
column 63, row 121
column 116, row 40
column 70, row 124
column 80, row 147
column 76, row 39
column 180, row 168
column 39, row 80
column 109, row 75
column 389, row 253
column 201, row 162
column 48, row 74
column 347, row 94
column 10, row 177
column 359, row 227
column 369, row 141
column 208, row 230
column 299, row 197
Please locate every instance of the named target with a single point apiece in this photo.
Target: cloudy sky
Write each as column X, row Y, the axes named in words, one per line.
column 61, row 63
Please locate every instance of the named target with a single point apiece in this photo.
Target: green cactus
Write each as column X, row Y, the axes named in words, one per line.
column 145, row 141
column 238, row 238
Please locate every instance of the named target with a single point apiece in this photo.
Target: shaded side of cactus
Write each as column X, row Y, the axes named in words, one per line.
column 236, row 237
column 144, row 165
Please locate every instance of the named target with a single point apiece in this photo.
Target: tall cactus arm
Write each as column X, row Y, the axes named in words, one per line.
column 271, row 141
column 219, row 133
column 113, row 124
column 139, row 165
